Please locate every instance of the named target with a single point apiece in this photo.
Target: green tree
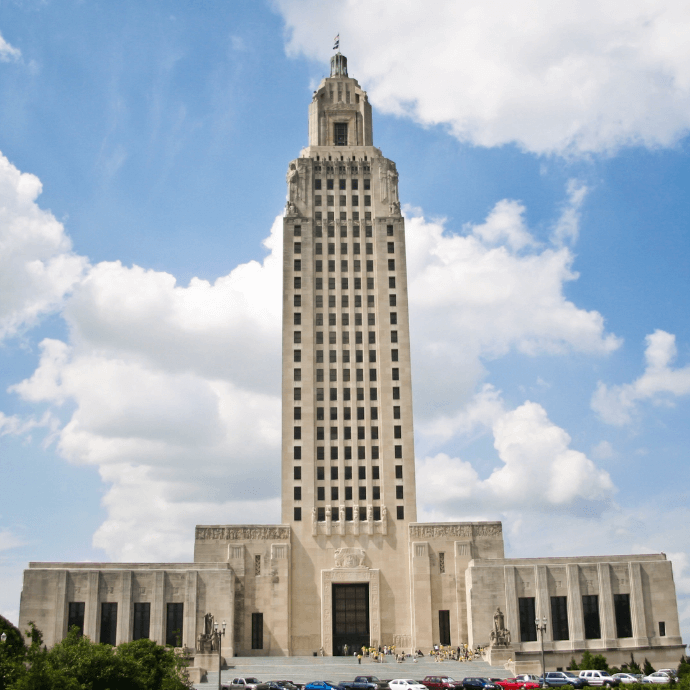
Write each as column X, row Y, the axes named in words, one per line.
column 632, row 667
column 76, row 663
column 591, row 662
column 573, row 666
column 647, row 668
column 12, row 654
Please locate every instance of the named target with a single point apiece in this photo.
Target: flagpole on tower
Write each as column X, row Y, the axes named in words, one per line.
column 336, row 42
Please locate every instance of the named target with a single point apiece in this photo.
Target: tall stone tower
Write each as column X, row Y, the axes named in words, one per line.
column 348, row 483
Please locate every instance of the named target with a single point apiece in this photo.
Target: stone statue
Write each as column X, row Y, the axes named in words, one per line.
column 384, row 513
column 500, row 637
column 392, row 184
column 207, row 641
column 293, row 183
column 314, row 522
column 370, row 513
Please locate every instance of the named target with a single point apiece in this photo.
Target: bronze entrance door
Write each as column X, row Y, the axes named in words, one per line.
column 350, row 618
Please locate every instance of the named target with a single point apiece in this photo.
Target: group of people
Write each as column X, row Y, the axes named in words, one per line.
column 448, row 653
column 439, row 653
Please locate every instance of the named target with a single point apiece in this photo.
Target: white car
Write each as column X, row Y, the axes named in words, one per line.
column 657, row 677
column 626, row 678
column 405, row 684
column 599, row 678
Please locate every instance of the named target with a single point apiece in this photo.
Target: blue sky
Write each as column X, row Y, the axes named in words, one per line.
column 544, row 168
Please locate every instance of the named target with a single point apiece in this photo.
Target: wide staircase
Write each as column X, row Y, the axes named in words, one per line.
column 303, row 669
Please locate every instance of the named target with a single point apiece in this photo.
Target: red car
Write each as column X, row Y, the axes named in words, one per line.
column 515, row 684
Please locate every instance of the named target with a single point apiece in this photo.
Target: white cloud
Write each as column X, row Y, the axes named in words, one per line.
column 37, row 266
column 660, row 383
column 477, row 296
column 8, row 540
column 551, row 77
column 8, row 53
column 537, row 461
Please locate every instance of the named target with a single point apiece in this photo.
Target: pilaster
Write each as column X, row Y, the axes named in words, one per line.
column 157, row 629
column 91, row 608
column 124, row 618
column 421, row 595
column 575, row 614
column 60, row 607
column 606, row 613
column 190, row 608
column 639, row 623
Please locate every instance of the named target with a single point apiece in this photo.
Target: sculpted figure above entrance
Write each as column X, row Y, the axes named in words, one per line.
column 349, row 557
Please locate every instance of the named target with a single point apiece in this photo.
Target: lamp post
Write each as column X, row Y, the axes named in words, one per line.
column 219, row 633
column 541, row 627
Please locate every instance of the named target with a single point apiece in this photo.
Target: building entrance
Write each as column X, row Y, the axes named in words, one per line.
column 350, row 618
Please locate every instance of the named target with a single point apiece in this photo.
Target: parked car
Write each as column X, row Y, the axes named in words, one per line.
column 528, row 678
column 245, row 683
column 287, row 684
column 406, row 684
column 321, row 685
column 364, row 683
column 658, row 677
column 479, row 684
column 600, row 678
column 441, row 682
column 627, row 678
column 514, row 683
column 556, row 678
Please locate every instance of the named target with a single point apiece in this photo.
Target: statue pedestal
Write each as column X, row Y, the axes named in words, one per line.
column 208, row 661
column 500, row 654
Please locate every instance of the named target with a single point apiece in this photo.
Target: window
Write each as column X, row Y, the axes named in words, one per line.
column 360, row 413
column 342, row 184
column 398, row 452
column 396, row 374
column 396, row 393
column 297, row 283
column 394, row 336
column 297, row 356
column 392, row 300
column 360, row 433
column 257, row 630
column 321, row 514
column 357, row 264
column 318, row 301
column 320, row 473
column 361, row 472
column 319, row 414
column 442, row 563
column 590, row 612
column 75, row 615
column 298, row 247
column 334, row 437
column 528, row 628
column 621, row 604
column 367, row 183
column 362, row 493
column 348, row 449
column 320, row 493
column 370, row 300
column 142, row 620
column 360, row 394
column 297, row 319
column 371, row 319
column 397, row 431
column 173, row 624
column 330, row 199
column 331, row 266
column 348, row 511
column 356, row 248
column 331, row 283
column 391, row 247
column 444, row 626
column 331, row 248
column 317, row 198
column 376, row 493
column 297, row 493
column 331, row 320
column 372, row 394
column 297, row 414
column 318, row 284
column 346, row 374
column 297, row 337
column 298, row 264
column 394, row 318
column 394, row 355
column 319, row 453
column 398, row 472
column 318, row 248
column 343, row 202
column 297, row 514
column 370, row 248
column 662, row 628
column 362, row 514
column 319, row 375
column 344, row 302
column 317, row 183
column 332, row 357
column 348, row 472
column 559, row 618
column 346, row 393
column 372, row 374
column 329, row 184
column 297, row 394
column 374, row 412
column 346, row 338
column 391, row 264
column 360, row 374
column 374, row 433
column 297, row 472
column 334, row 493
column 333, row 394
column 297, row 433
column 346, row 356
column 298, row 374
column 355, row 200
column 367, row 198
column 319, row 433
column 399, row 492
column 340, row 134
column 400, row 512
column 109, row 623
column 389, row 230
column 298, row 230
column 318, row 266
column 343, row 283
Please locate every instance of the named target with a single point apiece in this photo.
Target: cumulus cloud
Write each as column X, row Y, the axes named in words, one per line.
column 37, row 265
column 558, row 78
column 478, row 295
column 537, row 460
column 660, row 383
column 8, row 53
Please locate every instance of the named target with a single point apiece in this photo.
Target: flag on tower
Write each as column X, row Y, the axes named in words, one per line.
column 336, row 42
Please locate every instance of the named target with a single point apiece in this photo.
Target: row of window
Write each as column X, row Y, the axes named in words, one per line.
column 362, row 493
column 330, row 216
column 347, row 413
column 346, row 375
column 342, row 184
column 141, row 621
column 332, row 356
column 344, row 283
column 559, row 617
column 347, row 433
column 345, row 319
column 356, row 247
column 342, row 199
column 356, row 267
column 347, row 394
column 349, row 514
column 318, row 232
column 332, row 338
column 361, row 472
column 347, row 452
column 344, row 301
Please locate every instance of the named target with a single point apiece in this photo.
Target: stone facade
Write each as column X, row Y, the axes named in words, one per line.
column 349, row 540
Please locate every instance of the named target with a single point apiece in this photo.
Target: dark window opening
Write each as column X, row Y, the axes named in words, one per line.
column 559, row 618
column 142, row 621
column 108, row 623
column 528, row 627
column 173, row 625
column 444, row 626
column 621, row 604
column 340, row 134
column 257, row 630
column 590, row 611
column 75, row 616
